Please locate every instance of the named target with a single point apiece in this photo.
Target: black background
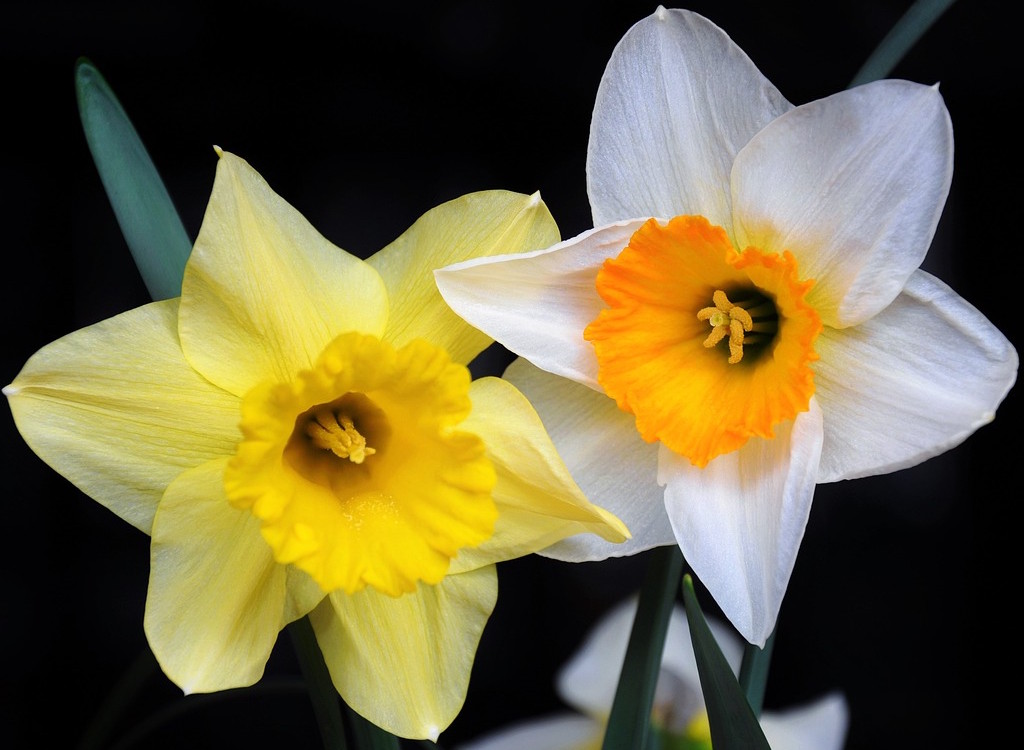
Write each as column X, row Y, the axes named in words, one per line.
column 365, row 117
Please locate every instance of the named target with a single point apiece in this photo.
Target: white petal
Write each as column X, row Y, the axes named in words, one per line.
column 853, row 185
column 912, row 382
column 820, row 725
column 588, row 681
column 739, row 521
column 216, row 596
column 677, row 101
column 557, row 732
column 537, row 304
column 613, row 466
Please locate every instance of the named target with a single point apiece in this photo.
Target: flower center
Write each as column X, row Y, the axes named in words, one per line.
column 653, row 344
column 330, row 440
column 357, row 470
column 753, row 321
column 335, row 432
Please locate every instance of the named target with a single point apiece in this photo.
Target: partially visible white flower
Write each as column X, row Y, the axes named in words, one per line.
column 587, row 683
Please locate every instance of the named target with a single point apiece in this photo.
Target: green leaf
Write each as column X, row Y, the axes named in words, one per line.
column 147, row 217
column 733, row 723
column 629, row 725
column 901, row 37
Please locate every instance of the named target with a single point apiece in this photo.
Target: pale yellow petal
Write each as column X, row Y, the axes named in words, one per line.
column 304, row 594
column 216, row 596
column 538, row 501
column 404, row 662
column 117, row 410
column 492, row 222
column 263, row 291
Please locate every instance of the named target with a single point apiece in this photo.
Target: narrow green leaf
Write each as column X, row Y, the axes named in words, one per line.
column 147, row 217
column 629, row 725
column 733, row 723
column 754, row 672
column 326, row 701
column 901, row 37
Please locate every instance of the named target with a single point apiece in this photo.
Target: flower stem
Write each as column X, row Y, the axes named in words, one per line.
column 754, row 672
column 114, row 707
column 326, row 702
column 901, row 37
column 630, row 720
column 367, row 735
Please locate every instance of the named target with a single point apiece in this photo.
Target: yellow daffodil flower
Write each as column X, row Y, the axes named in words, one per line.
column 750, row 300
column 299, row 434
column 588, row 681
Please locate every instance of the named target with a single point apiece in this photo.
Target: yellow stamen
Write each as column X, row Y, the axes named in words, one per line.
column 726, row 319
column 338, row 434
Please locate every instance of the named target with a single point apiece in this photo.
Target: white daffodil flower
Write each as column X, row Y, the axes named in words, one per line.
column 588, row 681
column 770, row 330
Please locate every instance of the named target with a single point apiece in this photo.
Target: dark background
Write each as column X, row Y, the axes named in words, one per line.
column 365, row 118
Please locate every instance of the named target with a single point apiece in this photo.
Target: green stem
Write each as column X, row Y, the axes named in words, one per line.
column 141, row 734
column 326, row 702
column 754, row 672
column 630, row 720
column 367, row 735
column 113, row 708
column 901, row 37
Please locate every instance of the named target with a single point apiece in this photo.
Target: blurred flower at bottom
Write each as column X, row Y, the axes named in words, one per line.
column 587, row 684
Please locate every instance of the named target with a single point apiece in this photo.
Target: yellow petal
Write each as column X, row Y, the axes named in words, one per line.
column 216, row 597
column 404, row 662
column 263, row 291
column 538, row 501
column 304, row 594
column 116, row 409
column 475, row 225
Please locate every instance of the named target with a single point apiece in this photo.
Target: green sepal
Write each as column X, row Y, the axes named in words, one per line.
column 144, row 210
column 733, row 723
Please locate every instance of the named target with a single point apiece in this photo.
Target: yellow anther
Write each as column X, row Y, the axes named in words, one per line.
column 338, row 434
column 726, row 319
